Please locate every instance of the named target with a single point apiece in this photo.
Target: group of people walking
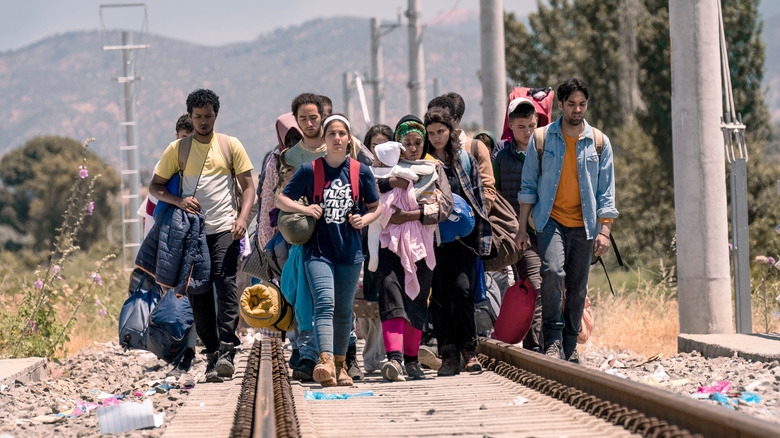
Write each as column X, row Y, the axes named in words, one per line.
column 379, row 208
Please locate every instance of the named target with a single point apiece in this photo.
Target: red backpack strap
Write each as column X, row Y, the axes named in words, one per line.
column 354, row 179
column 319, row 179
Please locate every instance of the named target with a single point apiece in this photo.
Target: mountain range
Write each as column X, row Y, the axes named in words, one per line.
column 66, row 84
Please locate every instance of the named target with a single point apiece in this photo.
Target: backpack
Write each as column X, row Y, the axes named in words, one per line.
column 504, row 225
column 517, row 312
column 319, row 179
column 543, row 102
column 226, row 148
column 460, row 222
column 153, row 320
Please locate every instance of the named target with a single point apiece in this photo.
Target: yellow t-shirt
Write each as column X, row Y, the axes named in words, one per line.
column 214, row 184
column 567, row 207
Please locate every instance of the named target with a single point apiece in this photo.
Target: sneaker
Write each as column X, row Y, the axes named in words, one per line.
column 555, row 351
column 574, row 358
column 183, row 365
column 471, row 364
column 211, row 367
column 450, row 365
column 295, row 358
column 303, row 372
column 414, row 371
column 352, row 363
column 392, row 371
column 227, row 352
column 428, row 358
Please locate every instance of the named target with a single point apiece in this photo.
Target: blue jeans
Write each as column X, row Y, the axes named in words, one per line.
column 566, row 253
column 333, row 289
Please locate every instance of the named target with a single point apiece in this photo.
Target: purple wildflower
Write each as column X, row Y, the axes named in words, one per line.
column 96, row 278
column 55, row 269
column 97, row 302
column 90, row 208
column 101, row 312
column 731, row 247
column 39, row 284
column 83, row 171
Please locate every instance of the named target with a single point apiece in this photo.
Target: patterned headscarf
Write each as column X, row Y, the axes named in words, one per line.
column 405, row 127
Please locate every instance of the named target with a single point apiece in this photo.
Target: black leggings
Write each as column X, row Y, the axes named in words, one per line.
column 452, row 298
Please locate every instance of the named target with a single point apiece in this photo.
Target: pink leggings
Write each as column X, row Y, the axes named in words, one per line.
column 400, row 335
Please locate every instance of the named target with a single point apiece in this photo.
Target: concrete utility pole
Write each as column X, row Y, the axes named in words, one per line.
column 491, row 20
column 704, row 287
column 417, row 99
column 377, row 67
column 347, row 92
column 628, row 67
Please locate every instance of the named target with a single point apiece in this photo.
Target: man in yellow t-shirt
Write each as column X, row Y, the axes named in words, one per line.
column 207, row 188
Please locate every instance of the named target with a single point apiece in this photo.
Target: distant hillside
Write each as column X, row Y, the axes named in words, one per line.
column 65, row 84
column 771, row 37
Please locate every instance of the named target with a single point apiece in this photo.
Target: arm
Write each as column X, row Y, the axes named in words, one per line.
column 521, row 238
column 158, row 190
column 486, row 173
column 287, row 205
column 605, row 199
column 374, row 211
column 247, row 200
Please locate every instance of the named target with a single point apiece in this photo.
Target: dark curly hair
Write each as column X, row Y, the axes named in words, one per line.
column 201, row 99
column 307, row 99
column 452, row 148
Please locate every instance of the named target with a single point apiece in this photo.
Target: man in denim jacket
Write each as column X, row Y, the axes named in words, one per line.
column 572, row 195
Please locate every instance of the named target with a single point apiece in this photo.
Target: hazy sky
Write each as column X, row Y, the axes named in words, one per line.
column 207, row 22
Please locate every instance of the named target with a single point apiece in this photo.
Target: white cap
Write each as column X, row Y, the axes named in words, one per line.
column 517, row 102
column 388, row 152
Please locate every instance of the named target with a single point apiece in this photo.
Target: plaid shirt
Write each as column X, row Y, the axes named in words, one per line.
column 475, row 195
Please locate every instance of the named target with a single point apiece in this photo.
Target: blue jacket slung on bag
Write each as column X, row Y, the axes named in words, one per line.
column 295, row 288
column 175, row 252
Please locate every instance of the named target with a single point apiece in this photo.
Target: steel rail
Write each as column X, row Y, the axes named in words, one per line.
column 264, row 424
column 682, row 412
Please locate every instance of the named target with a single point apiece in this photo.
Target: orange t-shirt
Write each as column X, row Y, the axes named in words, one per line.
column 567, row 207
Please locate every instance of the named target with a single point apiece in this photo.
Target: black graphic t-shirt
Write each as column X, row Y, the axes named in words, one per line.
column 334, row 239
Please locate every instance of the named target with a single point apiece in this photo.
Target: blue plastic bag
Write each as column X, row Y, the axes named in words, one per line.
column 134, row 317
column 316, row 395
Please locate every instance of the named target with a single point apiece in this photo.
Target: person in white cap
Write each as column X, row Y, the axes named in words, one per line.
column 508, row 169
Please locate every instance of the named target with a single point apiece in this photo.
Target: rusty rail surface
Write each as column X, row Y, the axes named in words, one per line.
column 638, row 407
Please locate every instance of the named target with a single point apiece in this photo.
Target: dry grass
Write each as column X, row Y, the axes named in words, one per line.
column 640, row 324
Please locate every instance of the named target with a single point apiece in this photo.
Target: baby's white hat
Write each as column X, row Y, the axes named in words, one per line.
column 388, row 152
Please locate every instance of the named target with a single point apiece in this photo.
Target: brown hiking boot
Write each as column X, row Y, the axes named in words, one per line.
column 342, row 378
column 470, row 359
column 325, row 372
column 450, row 365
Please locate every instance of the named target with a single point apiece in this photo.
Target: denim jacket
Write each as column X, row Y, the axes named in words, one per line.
column 596, row 177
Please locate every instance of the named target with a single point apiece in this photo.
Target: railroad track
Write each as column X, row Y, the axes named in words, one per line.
column 519, row 394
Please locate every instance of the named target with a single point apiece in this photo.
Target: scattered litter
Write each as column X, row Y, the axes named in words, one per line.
column 203, row 407
column 519, row 401
column 162, row 389
column 56, row 373
column 749, row 398
column 611, row 362
column 150, row 392
column 616, row 373
column 128, row 416
column 722, row 387
column 316, row 395
column 3, row 388
column 650, row 359
column 659, row 375
column 722, row 399
column 679, row 382
column 104, row 395
column 700, row 395
column 650, row 380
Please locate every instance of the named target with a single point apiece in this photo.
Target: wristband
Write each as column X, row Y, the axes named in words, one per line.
column 421, row 214
column 605, row 235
